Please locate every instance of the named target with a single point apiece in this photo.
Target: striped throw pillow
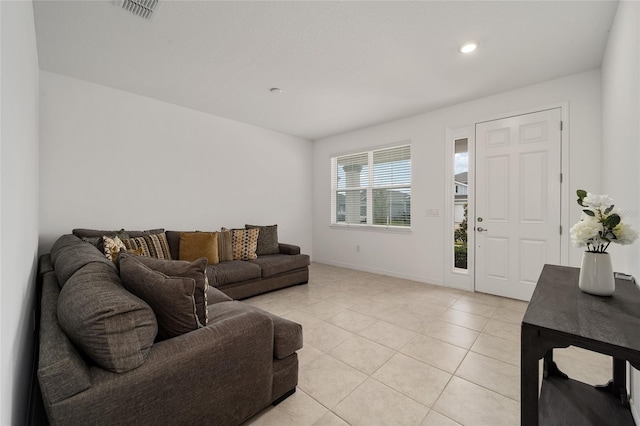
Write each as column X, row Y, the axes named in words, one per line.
column 154, row 245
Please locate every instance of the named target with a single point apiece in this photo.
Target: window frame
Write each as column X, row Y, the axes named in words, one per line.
column 369, row 189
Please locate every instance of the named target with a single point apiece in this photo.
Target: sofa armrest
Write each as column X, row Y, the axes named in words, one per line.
column 288, row 249
column 62, row 372
column 219, row 374
column 44, row 265
column 216, row 296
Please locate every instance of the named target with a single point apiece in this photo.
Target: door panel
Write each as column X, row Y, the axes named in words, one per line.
column 534, row 205
column 497, row 261
column 498, row 180
column 532, row 254
column 517, row 202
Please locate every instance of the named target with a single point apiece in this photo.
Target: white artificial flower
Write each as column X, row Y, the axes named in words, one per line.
column 593, row 229
column 625, row 234
column 587, row 230
column 596, row 201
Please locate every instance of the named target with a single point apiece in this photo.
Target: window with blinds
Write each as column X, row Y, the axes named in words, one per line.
column 372, row 188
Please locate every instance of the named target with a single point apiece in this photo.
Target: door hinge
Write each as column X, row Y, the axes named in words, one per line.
column 560, row 177
column 561, row 125
column 560, row 229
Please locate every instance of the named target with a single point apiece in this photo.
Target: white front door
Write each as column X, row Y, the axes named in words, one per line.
column 517, row 214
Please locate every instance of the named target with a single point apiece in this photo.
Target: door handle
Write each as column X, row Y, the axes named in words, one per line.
column 481, row 229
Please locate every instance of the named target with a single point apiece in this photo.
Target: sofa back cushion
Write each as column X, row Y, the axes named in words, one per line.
column 69, row 254
column 109, row 324
column 89, row 233
column 94, row 236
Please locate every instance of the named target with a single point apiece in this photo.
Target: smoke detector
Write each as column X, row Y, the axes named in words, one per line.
column 142, row 8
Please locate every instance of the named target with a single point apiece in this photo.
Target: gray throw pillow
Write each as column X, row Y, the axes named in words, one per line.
column 181, row 268
column 171, row 298
column 267, row 239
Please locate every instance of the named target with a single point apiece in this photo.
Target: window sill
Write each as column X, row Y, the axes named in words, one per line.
column 374, row 228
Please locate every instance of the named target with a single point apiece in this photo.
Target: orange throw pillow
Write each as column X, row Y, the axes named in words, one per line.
column 194, row 245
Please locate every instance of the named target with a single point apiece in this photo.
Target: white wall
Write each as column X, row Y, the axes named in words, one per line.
column 621, row 138
column 420, row 254
column 19, row 206
column 111, row 159
column 621, row 126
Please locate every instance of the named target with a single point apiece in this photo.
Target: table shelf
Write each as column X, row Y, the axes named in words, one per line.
column 567, row 402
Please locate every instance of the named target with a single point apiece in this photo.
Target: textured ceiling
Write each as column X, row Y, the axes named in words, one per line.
column 342, row 65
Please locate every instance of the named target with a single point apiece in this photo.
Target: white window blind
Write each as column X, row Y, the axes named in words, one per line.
column 372, row 188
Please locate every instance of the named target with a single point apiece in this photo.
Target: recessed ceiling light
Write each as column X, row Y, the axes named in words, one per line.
column 275, row 90
column 468, row 47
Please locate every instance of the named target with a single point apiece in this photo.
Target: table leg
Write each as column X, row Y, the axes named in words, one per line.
column 528, row 378
column 618, row 385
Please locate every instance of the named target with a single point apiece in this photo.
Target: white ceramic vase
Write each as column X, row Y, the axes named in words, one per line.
column 596, row 274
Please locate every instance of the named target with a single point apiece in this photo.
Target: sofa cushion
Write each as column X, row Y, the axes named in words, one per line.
column 153, row 245
column 109, row 324
column 180, row 268
column 287, row 335
column 275, row 264
column 267, row 239
column 194, row 245
column 171, row 298
column 232, row 272
column 69, row 254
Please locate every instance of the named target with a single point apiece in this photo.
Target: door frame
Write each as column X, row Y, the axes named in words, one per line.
column 466, row 281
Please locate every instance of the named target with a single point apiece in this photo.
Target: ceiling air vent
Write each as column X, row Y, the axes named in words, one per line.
column 142, row 8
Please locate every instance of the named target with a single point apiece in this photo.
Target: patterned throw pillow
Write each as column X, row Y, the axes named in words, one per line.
column 112, row 247
column 154, row 245
column 244, row 243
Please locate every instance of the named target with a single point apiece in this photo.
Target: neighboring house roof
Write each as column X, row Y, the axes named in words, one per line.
column 462, row 178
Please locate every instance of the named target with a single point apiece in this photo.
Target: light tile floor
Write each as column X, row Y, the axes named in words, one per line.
column 386, row 351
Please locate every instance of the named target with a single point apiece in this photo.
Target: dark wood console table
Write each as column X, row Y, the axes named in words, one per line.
column 560, row 315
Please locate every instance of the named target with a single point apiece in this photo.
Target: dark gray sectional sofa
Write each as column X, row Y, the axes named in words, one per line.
column 100, row 363
column 240, row 279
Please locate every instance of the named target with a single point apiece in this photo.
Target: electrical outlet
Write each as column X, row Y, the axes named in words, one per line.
column 433, row 213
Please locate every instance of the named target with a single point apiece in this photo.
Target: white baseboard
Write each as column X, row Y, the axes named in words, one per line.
column 394, row 274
